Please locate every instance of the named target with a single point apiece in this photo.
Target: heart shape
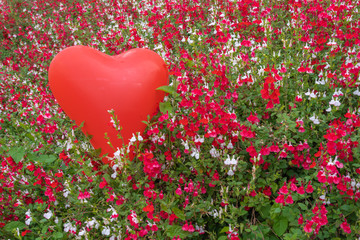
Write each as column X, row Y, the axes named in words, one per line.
column 87, row 83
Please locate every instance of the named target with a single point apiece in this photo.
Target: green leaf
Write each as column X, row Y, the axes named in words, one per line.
column 302, row 206
column 168, row 89
column 280, row 225
column 347, row 208
column 58, row 235
column 17, row 153
column 178, row 213
column 58, row 150
column 164, row 206
column 14, row 225
column 289, row 214
column 223, row 238
column 165, row 107
column 44, row 229
column 107, row 177
column 190, row 63
column 265, row 211
column 225, row 229
column 275, row 211
column 46, row 158
column 174, row 231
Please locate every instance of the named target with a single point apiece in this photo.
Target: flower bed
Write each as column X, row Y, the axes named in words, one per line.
column 258, row 137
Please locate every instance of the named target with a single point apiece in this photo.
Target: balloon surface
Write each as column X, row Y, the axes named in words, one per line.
column 88, row 83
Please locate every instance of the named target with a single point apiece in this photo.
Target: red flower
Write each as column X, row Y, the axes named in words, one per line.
column 178, row 191
column 309, row 188
column 300, row 190
column 308, row 226
column 331, row 137
column 300, row 220
column 346, row 227
column 103, row 183
column 283, row 189
column 148, row 208
column 253, row 119
column 289, row 200
column 23, row 233
column 280, row 199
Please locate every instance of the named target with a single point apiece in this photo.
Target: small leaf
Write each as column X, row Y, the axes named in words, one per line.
column 174, row 231
column 107, row 177
column 280, row 225
column 190, row 63
column 302, row 206
column 44, row 229
column 46, row 158
column 178, row 213
column 165, row 107
column 225, row 229
column 17, row 153
column 347, row 208
column 167, row 89
column 164, row 207
column 14, row 225
column 58, row 235
column 223, row 238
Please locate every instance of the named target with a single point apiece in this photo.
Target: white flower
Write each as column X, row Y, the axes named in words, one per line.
column 90, row 224
column 335, row 102
column 115, row 167
column 186, row 145
column 310, row 94
column 321, row 82
column 357, row 93
column 140, row 138
column 106, row 231
column 230, row 146
column 48, row 215
column 338, row 92
column 133, row 139
column 230, row 172
column 233, row 161
column 227, row 161
column 66, row 192
column 261, row 71
column 214, row 153
column 314, row 119
column 67, row 227
column 195, row 153
column 199, row 139
column 117, row 154
column 82, row 232
column 29, row 218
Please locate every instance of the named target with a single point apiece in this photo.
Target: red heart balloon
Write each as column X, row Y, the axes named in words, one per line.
column 87, row 83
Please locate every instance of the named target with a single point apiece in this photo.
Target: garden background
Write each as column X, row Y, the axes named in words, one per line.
column 256, row 139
